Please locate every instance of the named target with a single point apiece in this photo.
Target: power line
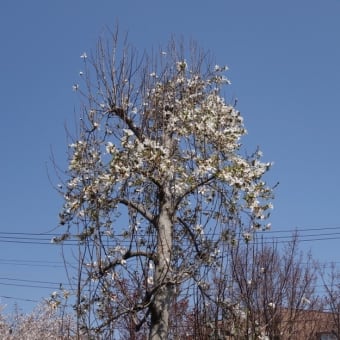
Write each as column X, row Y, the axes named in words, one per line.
column 305, row 228
column 25, row 233
column 31, row 263
column 34, row 281
column 271, row 231
column 279, row 239
column 26, row 286
column 18, row 298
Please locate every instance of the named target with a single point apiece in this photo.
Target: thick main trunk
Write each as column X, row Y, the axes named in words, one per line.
column 161, row 303
column 160, row 314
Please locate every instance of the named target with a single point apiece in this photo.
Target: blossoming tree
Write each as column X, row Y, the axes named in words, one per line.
column 156, row 184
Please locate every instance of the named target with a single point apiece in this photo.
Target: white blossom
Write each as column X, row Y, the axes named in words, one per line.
column 110, row 148
column 305, row 300
column 199, row 229
column 128, row 132
column 271, row 305
column 268, row 226
column 247, row 236
column 181, row 65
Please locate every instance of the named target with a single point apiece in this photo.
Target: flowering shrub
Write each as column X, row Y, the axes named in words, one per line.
column 43, row 323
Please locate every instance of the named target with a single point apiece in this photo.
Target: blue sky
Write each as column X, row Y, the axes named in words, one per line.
column 284, row 60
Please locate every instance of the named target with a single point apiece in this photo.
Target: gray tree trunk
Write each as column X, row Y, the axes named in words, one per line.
column 163, row 296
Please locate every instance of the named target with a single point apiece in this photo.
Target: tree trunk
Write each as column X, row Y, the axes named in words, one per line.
column 161, row 303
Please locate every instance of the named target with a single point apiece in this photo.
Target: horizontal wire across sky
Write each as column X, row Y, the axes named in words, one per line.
column 305, row 234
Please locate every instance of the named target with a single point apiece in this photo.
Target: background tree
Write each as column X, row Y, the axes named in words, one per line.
column 240, row 316
column 265, row 291
column 331, row 283
column 156, row 183
column 275, row 287
column 45, row 322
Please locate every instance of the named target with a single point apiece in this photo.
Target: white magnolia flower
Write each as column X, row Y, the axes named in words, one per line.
column 120, row 249
column 203, row 284
column 114, row 276
column 66, row 294
column 54, row 304
column 268, row 226
column 199, row 229
column 110, row 148
column 128, row 132
column 83, row 56
column 181, row 65
column 226, row 80
column 75, row 87
column 247, row 237
column 305, row 300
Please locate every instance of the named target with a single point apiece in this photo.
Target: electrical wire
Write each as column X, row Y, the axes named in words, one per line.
column 18, row 298
column 59, row 284
column 305, row 234
column 271, row 231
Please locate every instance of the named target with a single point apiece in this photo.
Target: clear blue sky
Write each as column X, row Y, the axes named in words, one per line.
column 284, row 60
